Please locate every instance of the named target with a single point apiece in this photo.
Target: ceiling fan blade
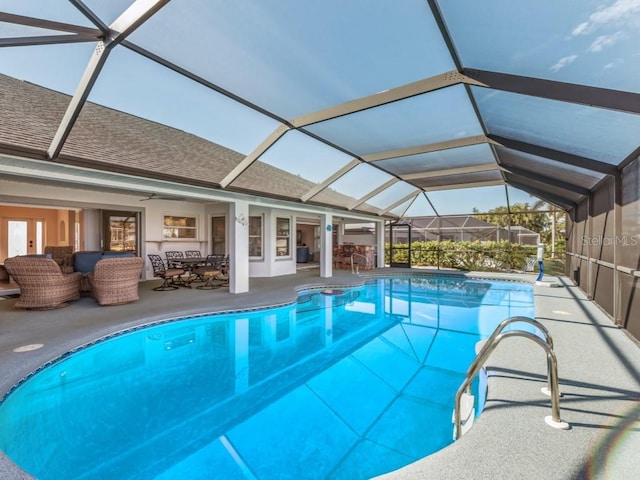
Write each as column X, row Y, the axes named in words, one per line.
column 155, row 196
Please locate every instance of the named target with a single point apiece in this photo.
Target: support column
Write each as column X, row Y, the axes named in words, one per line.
column 239, row 247
column 91, row 231
column 617, row 233
column 71, row 227
column 326, row 245
column 380, row 244
column 590, row 248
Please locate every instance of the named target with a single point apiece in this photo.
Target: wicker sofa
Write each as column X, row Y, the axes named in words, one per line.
column 42, row 283
column 114, row 280
column 61, row 254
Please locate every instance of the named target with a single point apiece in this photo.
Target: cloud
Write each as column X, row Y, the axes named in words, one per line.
column 620, row 12
column 616, row 63
column 580, row 29
column 604, row 41
column 563, row 62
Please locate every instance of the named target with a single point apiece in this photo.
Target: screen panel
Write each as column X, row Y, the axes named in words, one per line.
column 63, row 12
column 419, row 207
column 596, row 133
column 391, row 195
column 108, row 11
column 479, row 154
column 307, row 55
column 585, row 42
column 151, row 91
column 549, row 168
column 432, row 117
column 304, row 156
column 59, row 67
column 470, row 200
column 353, row 185
column 492, row 176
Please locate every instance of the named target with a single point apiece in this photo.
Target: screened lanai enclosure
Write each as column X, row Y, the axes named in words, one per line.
column 366, row 109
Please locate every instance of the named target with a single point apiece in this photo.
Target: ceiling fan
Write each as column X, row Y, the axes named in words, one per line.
column 155, row 196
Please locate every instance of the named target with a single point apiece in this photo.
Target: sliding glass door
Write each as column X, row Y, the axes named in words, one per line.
column 120, row 231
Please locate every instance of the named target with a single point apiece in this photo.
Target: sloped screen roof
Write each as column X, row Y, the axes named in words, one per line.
column 387, row 108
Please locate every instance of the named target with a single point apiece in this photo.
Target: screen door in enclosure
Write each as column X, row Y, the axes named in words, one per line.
column 400, row 245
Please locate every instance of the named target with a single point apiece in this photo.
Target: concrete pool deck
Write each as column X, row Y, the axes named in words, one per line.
column 599, row 372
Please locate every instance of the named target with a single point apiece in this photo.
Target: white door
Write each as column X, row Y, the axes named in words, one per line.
column 24, row 236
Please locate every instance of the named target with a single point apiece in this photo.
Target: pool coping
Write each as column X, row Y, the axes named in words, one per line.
column 439, row 465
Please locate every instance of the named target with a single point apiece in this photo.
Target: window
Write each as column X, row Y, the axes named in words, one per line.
column 255, row 237
column 218, row 235
column 179, row 228
column 283, row 237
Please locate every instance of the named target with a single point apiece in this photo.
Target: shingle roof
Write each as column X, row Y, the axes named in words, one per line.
column 107, row 139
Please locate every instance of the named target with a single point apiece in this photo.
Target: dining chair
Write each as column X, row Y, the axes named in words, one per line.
column 173, row 259
column 209, row 273
column 171, row 276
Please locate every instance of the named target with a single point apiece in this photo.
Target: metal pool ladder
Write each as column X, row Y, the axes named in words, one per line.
column 488, row 347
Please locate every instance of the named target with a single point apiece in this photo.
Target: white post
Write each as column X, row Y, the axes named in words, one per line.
column 326, row 245
column 553, row 234
column 91, row 237
column 239, row 247
column 380, row 244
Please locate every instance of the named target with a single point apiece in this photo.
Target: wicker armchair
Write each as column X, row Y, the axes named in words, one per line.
column 42, row 283
column 114, row 280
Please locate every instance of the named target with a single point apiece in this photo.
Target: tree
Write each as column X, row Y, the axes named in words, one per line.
column 522, row 214
column 528, row 216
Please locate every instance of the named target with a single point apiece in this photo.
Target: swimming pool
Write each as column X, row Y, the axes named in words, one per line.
column 343, row 384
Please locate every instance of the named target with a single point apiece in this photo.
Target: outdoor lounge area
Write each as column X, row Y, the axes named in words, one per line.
column 42, row 283
column 163, row 159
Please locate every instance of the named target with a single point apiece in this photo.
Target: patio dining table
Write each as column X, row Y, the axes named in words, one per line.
column 196, row 274
column 189, row 264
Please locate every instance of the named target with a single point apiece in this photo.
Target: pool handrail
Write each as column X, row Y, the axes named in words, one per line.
column 490, row 345
column 505, row 323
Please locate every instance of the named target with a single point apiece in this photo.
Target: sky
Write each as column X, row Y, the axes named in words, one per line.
column 294, row 58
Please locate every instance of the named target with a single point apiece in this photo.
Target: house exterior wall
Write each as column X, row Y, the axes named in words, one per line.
column 271, row 265
column 151, row 223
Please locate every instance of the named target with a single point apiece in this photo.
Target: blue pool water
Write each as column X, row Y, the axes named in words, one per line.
column 348, row 385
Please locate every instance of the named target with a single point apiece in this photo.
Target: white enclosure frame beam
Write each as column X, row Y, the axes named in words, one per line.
column 431, row 147
column 321, row 186
column 382, row 98
column 414, row 194
column 489, row 183
column 373, row 193
column 124, row 25
column 485, row 167
column 47, row 40
column 266, row 144
column 48, row 24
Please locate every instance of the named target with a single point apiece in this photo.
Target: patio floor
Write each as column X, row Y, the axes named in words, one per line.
column 599, row 368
